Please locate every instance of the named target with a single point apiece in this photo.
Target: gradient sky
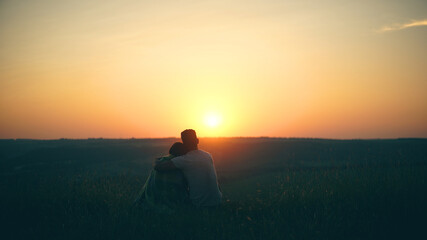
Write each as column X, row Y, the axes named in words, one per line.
column 98, row 68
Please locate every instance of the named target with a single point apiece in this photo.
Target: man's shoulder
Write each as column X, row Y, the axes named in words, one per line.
column 203, row 153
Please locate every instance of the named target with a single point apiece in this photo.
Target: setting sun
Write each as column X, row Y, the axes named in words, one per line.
column 212, row 120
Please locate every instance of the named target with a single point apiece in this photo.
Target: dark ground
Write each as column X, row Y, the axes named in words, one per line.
column 273, row 189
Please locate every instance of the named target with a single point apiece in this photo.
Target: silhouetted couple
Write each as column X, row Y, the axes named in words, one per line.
column 186, row 176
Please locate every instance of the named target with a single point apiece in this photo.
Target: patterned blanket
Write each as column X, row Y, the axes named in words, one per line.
column 164, row 191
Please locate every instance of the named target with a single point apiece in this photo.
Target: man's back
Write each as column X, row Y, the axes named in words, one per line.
column 199, row 170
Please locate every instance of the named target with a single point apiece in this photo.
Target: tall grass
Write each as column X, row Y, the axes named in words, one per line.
column 336, row 203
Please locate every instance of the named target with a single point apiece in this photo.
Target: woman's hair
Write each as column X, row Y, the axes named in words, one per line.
column 178, row 149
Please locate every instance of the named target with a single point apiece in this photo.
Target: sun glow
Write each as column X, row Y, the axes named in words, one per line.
column 223, row 68
column 213, row 120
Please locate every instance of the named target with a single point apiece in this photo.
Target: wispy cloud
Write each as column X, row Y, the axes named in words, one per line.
column 395, row 27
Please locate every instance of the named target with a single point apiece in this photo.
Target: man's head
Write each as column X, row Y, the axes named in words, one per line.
column 189, row 138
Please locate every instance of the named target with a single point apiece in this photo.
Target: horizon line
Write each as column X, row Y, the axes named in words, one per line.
column 241, row 137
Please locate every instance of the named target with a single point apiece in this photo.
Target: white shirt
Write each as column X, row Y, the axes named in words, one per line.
column 199, row 170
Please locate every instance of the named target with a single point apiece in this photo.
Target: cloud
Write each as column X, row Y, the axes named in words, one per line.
column 395, row 27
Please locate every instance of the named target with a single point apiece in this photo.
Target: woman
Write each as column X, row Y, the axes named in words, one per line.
column 164, row 191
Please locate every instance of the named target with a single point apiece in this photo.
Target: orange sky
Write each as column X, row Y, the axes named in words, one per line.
column 330, row 69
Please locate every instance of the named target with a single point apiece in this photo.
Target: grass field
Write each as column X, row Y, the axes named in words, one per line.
column 273, row 189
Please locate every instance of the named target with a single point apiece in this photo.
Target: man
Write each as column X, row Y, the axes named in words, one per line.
column 198, row 168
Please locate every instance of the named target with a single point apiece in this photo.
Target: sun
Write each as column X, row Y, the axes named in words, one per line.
column 213, row 120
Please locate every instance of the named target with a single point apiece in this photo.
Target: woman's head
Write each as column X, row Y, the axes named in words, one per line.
column 178, row 149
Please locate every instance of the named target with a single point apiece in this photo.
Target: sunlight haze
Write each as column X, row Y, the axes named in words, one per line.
column 121, row 69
